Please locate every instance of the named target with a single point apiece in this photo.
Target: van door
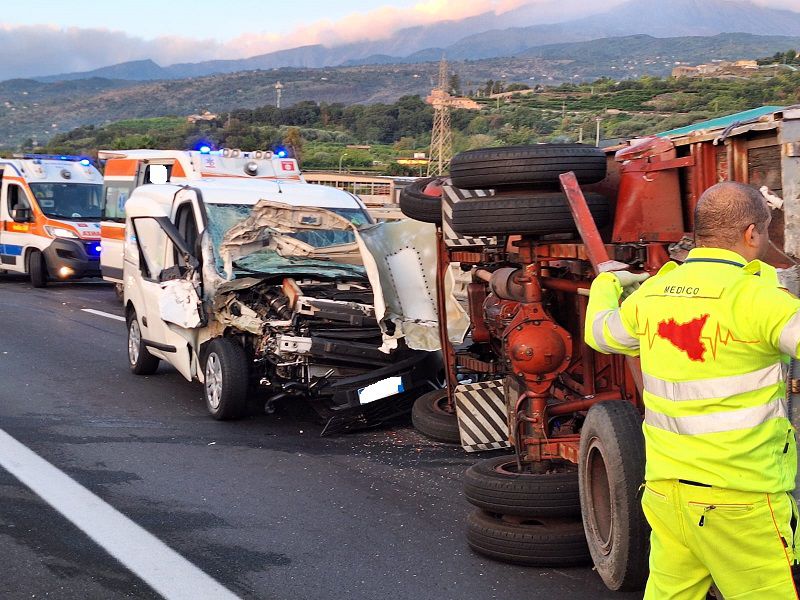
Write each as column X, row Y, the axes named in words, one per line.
column 15, row 235
column 166, row 295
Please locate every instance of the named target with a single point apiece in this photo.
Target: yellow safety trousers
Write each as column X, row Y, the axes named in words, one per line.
column 744, row 542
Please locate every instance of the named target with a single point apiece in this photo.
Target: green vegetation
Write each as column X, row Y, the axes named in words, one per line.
column 374, row 136
column 790, row 57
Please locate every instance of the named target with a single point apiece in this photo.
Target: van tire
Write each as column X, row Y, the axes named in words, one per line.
column 226, row 379
column 140, row 361
column 37, row 269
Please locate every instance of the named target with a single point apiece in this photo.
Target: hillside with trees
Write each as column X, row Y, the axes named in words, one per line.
column 324, row 134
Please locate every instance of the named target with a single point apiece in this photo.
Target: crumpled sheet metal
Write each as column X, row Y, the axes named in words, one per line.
column 262, row 229
column 178, row 303
column 400, row 258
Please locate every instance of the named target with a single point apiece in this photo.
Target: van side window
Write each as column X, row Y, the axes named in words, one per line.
column 116, row 195
column 16, row 198
column 152, row 243
column 158, row 174
column 186, row 225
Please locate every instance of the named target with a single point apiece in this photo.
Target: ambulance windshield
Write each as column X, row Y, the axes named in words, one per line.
column 69, row 200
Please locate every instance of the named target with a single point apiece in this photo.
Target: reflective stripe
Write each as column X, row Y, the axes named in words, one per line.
column 718, row 422
column 790, row 336
column 618, row 331
column 597, row 331
column 719, row 387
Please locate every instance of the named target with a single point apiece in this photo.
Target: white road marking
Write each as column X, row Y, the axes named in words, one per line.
column 166, row 571
column 103, row 314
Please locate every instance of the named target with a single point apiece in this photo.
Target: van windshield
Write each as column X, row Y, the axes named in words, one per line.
column 223, row 217
column 69, row 200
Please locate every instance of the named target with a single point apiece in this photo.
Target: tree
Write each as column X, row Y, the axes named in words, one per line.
column 454, row 84
column 293, row 140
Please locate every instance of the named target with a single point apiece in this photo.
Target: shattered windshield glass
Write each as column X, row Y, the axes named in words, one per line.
column 223, row 217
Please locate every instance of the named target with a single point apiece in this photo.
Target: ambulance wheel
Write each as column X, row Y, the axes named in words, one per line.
column 527, row 166
column 421, row 200
column 37, row 269
column 140, row 360
column 526, row 541
column 432, row 417
column 498, row 486
column 610, row 471
column 226, row 379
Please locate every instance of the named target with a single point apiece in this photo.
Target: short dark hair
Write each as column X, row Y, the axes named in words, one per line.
column 725, row 211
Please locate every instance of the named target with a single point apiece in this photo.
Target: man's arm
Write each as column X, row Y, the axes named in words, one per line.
column 609, row 328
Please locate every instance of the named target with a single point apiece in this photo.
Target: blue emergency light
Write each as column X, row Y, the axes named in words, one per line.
column 81, row 159
column 205, row 150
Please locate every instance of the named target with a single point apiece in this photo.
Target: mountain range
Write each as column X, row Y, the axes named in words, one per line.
column 515, row 32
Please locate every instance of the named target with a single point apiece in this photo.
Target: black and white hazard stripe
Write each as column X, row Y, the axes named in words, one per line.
column 451, row 195
column 482, row 419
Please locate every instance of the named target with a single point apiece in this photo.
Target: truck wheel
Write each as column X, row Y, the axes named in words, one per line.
column 140, row 360
column 497, row 486
column 538, row 213
column 526, row 166
column 421, row 200
column 533, row 542
column 432, row 419
column 226, row 379
column 37, row 269
column 610, row 471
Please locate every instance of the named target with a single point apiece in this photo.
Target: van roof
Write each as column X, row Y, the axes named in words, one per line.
column 242, row 191
column 51, row 170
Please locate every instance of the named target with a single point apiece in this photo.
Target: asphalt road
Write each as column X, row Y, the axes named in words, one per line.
column 263, row 505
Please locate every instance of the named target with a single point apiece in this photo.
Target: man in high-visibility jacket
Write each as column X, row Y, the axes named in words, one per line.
column 714, row 335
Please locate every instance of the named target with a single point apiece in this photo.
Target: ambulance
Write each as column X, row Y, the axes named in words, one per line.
column 126, row 170
column 50, row 207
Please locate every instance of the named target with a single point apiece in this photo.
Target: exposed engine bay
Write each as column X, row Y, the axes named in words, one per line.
column 305, row 296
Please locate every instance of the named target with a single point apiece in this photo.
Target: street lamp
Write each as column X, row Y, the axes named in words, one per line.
column 341, row 158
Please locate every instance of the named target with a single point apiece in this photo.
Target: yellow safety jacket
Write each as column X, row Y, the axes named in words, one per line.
column 714, row 335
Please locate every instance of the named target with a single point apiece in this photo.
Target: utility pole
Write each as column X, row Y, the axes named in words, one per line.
column 580, row 135
column 597, row 140
column 441, row 135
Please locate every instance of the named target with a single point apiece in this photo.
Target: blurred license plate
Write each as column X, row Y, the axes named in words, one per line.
column 380, row 389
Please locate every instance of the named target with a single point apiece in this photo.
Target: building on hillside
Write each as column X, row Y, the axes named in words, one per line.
column 685, row 71
column 204, row 116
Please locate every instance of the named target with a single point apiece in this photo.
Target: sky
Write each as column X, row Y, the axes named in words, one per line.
column 44, row 37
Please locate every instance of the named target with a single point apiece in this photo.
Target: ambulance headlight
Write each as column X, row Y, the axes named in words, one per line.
column 61, row 232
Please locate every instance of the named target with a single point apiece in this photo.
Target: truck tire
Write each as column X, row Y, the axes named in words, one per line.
column 538, row 213
column 496, row 486
column 539, row 543
column 420, row 201
column 526, row 166
column 610, row 471
column 431, row 418
column 140, row 361
column 37, row 269
column 226, row 379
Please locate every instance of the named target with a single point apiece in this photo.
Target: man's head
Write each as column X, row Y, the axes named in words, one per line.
column 733, row 216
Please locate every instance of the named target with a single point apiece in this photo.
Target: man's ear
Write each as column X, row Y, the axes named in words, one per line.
column 748, row 236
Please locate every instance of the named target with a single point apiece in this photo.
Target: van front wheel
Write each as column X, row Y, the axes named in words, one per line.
column 226, row 379
column 37, row 269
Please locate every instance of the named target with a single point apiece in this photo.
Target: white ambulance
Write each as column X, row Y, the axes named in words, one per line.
column 50, row 208
column 126, row 170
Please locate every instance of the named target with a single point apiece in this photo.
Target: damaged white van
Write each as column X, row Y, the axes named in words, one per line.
column 286, row 287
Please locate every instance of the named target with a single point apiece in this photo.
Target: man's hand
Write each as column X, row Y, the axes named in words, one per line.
column 630, row 282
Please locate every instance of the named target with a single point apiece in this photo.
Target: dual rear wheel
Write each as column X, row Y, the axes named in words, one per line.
column 559, row 514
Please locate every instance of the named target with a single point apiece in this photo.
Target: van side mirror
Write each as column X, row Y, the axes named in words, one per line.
column 22, row 215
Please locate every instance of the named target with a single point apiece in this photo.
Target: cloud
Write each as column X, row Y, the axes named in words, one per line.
column 45, row 49
column 38, row 50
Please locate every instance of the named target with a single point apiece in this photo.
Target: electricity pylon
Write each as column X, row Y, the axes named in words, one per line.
column 441, row 135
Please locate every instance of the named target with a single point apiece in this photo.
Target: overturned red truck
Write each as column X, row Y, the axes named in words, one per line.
column 529, row 227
